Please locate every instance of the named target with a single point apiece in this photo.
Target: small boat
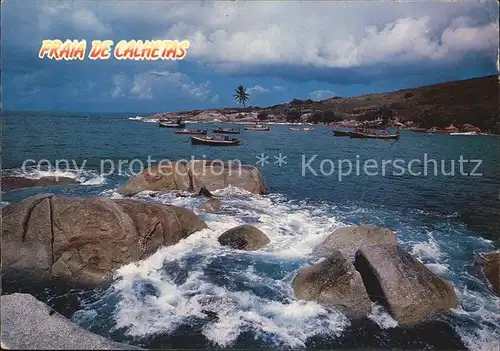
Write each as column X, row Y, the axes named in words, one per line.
column 214, row 141
column 191, row 131
column 302, row 129
column 258, row 127
column 171, row 124
column 360, row 135
column 464, row 133
column 226, row 130
column 337, row 132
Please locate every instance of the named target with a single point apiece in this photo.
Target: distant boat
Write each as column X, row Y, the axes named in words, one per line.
column 226, row 130
column 360, row 135
column 136, row 118
column 258, row 127
column 464, row 133
column 341, row 132
column 191, row 131
column 214, row 141
column 302, row 129
column 171, row 124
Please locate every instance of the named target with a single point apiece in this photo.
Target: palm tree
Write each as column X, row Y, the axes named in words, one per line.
column 241, row 95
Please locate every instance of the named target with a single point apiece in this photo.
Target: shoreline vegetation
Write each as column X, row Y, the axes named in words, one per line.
column 461, row 106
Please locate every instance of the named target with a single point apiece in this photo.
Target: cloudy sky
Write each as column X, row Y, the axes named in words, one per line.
column 279, row 50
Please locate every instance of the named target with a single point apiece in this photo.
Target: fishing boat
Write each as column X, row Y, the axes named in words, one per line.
column 214, row 141
column 464, row 133
column 337, row 132
column 226, row 130
column 171, row 124
column 258, row 127
column 361, row 135
column 191, row 131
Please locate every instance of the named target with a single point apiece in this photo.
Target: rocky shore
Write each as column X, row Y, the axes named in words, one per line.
column 462, row 106
column 84, row 240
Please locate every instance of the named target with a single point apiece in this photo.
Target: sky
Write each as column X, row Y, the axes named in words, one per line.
column 278, row 50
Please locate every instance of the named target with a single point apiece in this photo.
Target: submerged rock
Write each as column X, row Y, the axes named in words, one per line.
column 83, row 240
column 196, row 175
column 402, row 284
column 490, row 264
column 28, row 324
column 348, row 240
column 12, row 183
column 334, row 282
column 244, row 237
column 212, row 206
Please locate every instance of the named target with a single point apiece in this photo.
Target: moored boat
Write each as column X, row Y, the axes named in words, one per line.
column 226, row 130
column 214, row 141
column 258, row 127
column 360, row 135
column 337, row 132
column 302, row 129
column 191, row 131
column 171, row 124
column 464, row 133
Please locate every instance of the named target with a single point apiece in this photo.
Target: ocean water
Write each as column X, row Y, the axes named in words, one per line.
column 197, row 294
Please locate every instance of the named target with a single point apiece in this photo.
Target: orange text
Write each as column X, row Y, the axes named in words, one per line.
column 57, row 50
column 151, row 50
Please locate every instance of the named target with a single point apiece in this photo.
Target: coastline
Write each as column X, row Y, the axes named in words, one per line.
column 421, row 109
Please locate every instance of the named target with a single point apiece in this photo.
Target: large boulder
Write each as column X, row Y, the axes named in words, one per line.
column 83, row 240
column 28, row 324
column 12, row 183
column 401, row 283
column 348, row 240
column 490, row 264
column 195, row 175
column 244, row 237
column 334, row 282
column 211, row 206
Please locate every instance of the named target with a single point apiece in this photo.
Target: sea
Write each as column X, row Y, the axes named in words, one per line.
column 197, row 294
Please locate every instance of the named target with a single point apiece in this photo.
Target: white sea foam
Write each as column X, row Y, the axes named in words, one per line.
column 289, row 322
column 380, row 316
column 230, row 292
column 293, row 228
column 427, row 250
column 85, row 176
column 478, row 319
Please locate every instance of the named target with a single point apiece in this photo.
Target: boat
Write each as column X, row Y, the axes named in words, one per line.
column 226, row 130
column 258, row 127
column 337, row 132
column 171, row 124
column 302, row 129
column 191, row 131
column 214, row 141
column 361, row 135
column 464, row 133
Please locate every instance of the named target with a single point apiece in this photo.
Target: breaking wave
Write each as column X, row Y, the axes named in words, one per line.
column 84, row 176
column 229, row 295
